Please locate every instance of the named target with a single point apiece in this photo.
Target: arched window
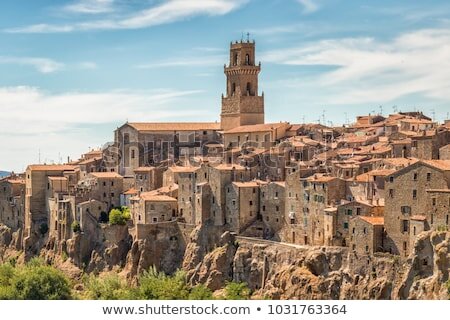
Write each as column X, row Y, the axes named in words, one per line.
column 233, row 88
column 247, row 59
column 235, row 59
column 249, row 89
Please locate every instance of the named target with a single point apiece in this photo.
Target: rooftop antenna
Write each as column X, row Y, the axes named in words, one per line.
column 395, row 109
column 248, row 36
column 323, row 117
column 242, row 36
column 303, row 119
column 433, row 113
column 39, row 152
column 381, row 110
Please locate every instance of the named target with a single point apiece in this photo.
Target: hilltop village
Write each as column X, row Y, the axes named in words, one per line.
column 372, row 187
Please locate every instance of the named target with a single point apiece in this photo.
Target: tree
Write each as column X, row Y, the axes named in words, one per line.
column 109, row 287
column 34, row 281
column 236, row 291
column 200, row 292
column 119, row 216
column 154, row 285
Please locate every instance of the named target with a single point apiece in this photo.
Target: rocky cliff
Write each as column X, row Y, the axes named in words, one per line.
column 277, row 271
column 272, row 270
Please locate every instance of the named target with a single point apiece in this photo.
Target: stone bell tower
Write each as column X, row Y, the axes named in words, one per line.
column 242, row 105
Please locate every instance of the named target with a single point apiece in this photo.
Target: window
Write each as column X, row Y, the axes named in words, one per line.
column 391, row 179
column 112, row 183
column 429, row 176
column 152, row 207
column 433, row 201
column 104, row 183
column 367, row 248
column 405, row 245
column 132, row 154
column 345, row 225
column 358, row 211
column 391, row 193
column 415, row 176
column 414, row 194
column 414, row 230
column 112, row 194
column 247, row 59
column 277, row 208
column 446, row 219
column 405, row 226
column 349, row 212
column 205, row 133
column 250, row 202
column 155, row 219
column 263, row 208
column 254, row 190
column 365, row 230
column 406, row 209
column 353, row 230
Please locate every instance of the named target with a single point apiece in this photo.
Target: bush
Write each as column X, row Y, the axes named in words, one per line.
column 119, row 216
column 110, row 287
column 154, row 285
column 236, row 291
column 200, row 292
column 76, row 226
column 33, row 282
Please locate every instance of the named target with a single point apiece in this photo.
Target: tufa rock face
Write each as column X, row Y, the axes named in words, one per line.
column 277, row 271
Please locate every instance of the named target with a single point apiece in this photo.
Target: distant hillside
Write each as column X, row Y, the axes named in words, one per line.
column 4, row 173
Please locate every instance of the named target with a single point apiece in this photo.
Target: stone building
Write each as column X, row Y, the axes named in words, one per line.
column 367, row 235
column 220, row 177
column 148, row 178
column 406, row 196
column 106, row 187
column 272, row 207
column 319, row 192
column 242, row 205
column 151, row 207
column 12, row 202
column 36, row 204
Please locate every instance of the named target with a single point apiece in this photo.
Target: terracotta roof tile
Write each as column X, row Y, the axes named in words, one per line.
column 258, row 127
column 105, row 175
column 379, row 221
column 174, row 126
column 51, row 167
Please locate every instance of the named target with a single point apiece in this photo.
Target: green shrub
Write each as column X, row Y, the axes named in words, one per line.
column 154, row 285
column 119, row 216
column 200, row 292
column 76, row 226
column 110, row 287
column 236, row 291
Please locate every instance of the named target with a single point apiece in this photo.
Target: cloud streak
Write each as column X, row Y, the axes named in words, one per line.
column 90, row 6
column 309, row 6
column 68, row 123
column 43, row 65
column 163, row 13
column 365, row 70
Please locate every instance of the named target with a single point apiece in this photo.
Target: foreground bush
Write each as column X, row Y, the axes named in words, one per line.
column 236, row 291
column 35, row 281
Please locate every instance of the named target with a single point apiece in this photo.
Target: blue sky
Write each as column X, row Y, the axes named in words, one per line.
column 73, row 71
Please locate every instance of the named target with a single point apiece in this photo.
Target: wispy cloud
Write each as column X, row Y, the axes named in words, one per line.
column 42, row 65
column 309, row 6
column 165, row 12
column 90, row 6
column 214, row 60
column 365, row 70
column 87, row 65
column 68, row 123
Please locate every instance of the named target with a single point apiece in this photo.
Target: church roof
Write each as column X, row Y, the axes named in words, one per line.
column 258, row 127
column 174, row 126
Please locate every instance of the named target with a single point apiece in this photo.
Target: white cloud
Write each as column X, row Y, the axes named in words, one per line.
column 68, row 123
column 165, row 12
column 87, row 65
column 42, row 65
column 90, row 6
column 309, row 6
column 365, row 70
column 215, row 60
